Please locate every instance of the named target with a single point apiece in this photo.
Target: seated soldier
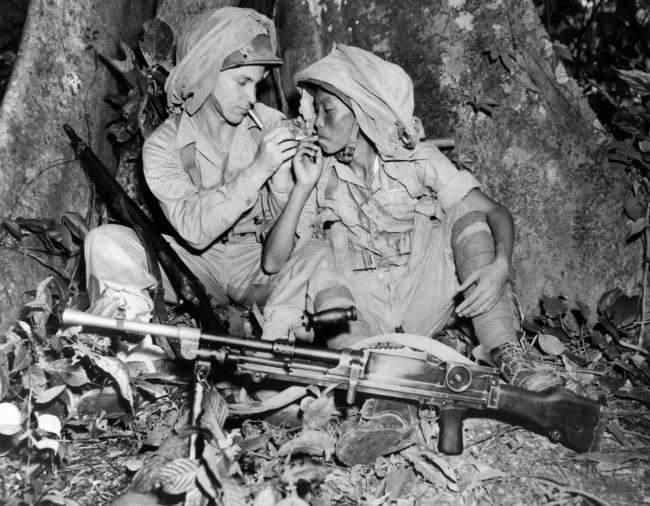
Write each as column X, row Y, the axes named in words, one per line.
column 213, row 169
column 408, row 230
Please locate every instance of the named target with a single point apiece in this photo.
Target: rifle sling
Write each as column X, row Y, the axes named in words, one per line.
column 159, row 310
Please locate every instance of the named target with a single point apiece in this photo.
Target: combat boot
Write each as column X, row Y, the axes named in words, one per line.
column 385, row 426
column 517, row 369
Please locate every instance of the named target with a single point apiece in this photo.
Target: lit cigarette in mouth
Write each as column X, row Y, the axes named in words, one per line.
column 256, row 119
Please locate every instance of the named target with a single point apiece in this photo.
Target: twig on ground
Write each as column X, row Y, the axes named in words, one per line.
column 499, row 432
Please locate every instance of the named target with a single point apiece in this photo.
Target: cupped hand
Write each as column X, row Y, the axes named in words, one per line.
column 308, row 162
column 278, row 147
column 490, row 281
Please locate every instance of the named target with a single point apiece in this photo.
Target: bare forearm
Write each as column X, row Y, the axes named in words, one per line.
column 280, row 241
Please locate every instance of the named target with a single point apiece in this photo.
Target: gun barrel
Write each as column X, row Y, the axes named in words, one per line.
column 75, row 317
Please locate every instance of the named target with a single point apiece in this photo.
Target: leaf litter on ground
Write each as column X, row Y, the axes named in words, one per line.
column 90, row 392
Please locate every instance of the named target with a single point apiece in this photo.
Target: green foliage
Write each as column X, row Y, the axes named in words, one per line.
column 605, row 45
column 62, row 238
column 140, row 106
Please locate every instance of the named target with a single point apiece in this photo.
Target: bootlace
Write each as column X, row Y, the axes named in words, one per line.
column 513, row 360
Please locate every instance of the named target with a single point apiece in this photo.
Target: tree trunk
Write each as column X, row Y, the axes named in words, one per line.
column 484, row 72
column 57, row 79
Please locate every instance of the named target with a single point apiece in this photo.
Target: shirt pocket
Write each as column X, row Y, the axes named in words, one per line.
column 396, row 202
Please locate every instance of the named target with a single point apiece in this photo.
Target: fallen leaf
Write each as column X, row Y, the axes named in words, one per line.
column 43, row 298
column 215, row 412
column 635, row 206
column 13, row 228
column 438, row 460
column 429, row 472
column 105, row 400
column 562, row 50
column 47, row 444
column 625, row 310
column 54, row 498
column 49, row 423
column 554, row 307
column 134, row 465
column 46, row 396
column 637, row 80
column 34, row 379
column 157, row 435
column 178, row 476
column 607, row 299
column 551, row 345
column 65, row 371
column 75, row 223
column 10, row 419
column 119, row 372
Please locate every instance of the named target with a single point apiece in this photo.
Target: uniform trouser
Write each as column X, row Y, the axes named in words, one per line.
column 116, row 269
column 418, row 297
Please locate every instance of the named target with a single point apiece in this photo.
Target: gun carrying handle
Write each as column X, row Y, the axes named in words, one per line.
column 450, row 438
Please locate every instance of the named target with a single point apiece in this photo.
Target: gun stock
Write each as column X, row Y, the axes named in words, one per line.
column 574, row 421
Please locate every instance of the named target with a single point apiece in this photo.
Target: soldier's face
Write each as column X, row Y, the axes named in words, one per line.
column 334, row 121
column 234, row 93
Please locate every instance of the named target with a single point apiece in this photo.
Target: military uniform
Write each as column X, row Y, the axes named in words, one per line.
column 219, row 204
column 220, row 209
column 392, row 240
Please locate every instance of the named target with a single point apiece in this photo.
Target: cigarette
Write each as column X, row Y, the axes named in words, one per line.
column 256, row 119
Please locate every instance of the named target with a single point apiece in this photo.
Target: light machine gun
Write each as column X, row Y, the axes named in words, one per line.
column 456, row 388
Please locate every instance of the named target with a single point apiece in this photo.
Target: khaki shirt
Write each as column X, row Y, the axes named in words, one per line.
column 223, row 192
column 380, row 219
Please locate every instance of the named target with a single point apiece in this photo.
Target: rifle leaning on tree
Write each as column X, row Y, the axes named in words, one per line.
column 187, row 286
column 455, row 386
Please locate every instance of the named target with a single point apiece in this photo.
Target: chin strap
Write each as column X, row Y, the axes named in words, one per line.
column 345, row 155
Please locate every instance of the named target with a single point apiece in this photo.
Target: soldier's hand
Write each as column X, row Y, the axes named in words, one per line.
column 308, row 162
column 278, row 147
column 490, row 283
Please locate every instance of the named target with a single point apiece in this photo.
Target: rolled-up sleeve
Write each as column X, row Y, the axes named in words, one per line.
column 448, row 183
column 200, row 217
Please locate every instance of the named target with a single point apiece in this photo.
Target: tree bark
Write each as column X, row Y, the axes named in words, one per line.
column 56, row 79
